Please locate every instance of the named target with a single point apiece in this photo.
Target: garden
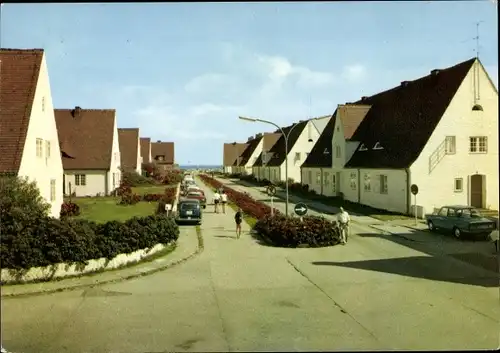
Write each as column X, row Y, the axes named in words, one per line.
column 280, row 230
column 30, row 238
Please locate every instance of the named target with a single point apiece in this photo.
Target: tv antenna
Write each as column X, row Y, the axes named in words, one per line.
column 476, row 38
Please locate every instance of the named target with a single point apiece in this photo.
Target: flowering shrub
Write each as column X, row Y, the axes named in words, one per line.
column 69, row 209
column 168, row 196
column 172, row 177
column 291, row 232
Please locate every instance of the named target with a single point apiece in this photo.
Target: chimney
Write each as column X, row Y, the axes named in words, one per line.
column 364, row 98
column 404, row 83
column 159, row 141
column 77, row 112
column 258, row 135
column 250, row 138
column 434, row 72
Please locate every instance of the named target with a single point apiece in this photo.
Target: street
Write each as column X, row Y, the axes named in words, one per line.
column 239, row 295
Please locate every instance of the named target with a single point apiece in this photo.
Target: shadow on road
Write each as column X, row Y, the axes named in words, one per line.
column 224, row 236
column 425, row 267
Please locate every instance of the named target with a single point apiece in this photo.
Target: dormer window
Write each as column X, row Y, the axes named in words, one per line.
column 378, row 146
column 363, row 147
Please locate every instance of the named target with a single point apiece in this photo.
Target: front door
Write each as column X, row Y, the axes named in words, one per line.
column 476, row 190
column 334, row 183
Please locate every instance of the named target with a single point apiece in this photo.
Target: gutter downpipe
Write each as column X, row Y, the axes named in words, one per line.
column 321, row 180
column 359, row 185
column 408, row 198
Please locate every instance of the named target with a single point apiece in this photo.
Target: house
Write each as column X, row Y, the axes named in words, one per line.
column 231, row 156
column 322, row 170
column 163, row 155
column 130, row 150
column 301, row 138
column 146, row 150
column 90, row 149
column 263, row 154
column 439, row 132
column 255, row 146
column 29, row 145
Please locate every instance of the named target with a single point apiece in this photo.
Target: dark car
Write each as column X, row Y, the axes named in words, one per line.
column 197, row 195
column 189, row 211
column 461, row 220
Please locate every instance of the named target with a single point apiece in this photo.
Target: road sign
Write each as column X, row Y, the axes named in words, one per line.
column 300, row 209
column 414, row 189
column 271, row 190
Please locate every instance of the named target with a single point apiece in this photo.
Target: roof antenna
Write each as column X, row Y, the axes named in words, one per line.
column 476, row 106
column 476, row 38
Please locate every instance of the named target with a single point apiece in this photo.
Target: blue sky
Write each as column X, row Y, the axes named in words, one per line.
column 183, row 72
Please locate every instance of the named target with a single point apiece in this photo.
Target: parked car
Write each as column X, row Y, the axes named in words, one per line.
column 197, row 195
column 461, row 220
column 189, row 211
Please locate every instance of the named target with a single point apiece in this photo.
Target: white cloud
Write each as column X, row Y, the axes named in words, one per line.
column 354, row 72
column 200, row 83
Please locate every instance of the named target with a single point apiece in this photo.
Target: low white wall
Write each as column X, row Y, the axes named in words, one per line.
column 176, row 201
column 65, row 270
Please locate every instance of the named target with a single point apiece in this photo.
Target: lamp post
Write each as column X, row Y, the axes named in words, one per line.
column 286, row 136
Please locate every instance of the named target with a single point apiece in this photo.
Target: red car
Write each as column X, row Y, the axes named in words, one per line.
column 198, row 195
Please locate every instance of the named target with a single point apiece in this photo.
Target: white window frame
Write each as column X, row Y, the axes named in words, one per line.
column 52, row 190
column 384, row 189
column 475, row 144
column 461, row 181
column 297, row 156
column 363, row 147
column 80, row 179
column 39, row 148
column 367, row 182
column 318, row 178
column 450, row 145
column 326, row 178
column 353, row 181
column 47, row 149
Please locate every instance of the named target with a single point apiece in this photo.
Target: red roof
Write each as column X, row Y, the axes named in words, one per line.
column 162, row 152
column 145, row 149
column 129, row 145
column 19, row 69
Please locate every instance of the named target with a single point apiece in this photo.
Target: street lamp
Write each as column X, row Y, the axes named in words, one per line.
column 286, row 136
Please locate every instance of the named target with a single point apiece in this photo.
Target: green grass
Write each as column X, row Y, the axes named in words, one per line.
column 103, row 209
column 151, row 189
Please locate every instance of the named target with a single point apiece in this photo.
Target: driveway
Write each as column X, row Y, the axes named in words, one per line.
column 239, row 295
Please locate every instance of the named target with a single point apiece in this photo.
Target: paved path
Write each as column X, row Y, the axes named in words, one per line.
column 241, row 296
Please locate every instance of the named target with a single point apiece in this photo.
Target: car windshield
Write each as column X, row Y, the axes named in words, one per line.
column 189, row 206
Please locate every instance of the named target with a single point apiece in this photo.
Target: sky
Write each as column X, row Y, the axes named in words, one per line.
column 184, row 72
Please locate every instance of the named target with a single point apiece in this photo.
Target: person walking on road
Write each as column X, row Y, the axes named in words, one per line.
column 223, row 200
column 238, row 218
column 216, row 201
column 495, row 237
column 344, row 220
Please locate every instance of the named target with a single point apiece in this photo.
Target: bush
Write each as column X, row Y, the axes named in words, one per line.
column 69, row 209
column 172, row 177
column 134, row 179
column 130, row 199
column 291, row 232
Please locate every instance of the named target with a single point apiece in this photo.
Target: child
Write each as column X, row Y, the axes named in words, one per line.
column 238, row 218
column 223, row 199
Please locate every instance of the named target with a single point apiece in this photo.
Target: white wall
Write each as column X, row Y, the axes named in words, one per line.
column 253, row 157
column 95, row 183
column 138, row 168
column 436, row 188
column 42, row 125
column 115, row 163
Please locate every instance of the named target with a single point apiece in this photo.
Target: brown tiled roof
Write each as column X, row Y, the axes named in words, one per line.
column 321, row 154
column 129, row 141
column 251, row 146
column 165, row 149
column 351, row 116
column 231, row 153
column 403, row 118
column 87, row 136
column 145, row 149
column 278, row 150
column 19, row 70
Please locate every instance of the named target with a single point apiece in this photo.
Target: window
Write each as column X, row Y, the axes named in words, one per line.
column 318, row 178
column 334, row 183
column 383, row 184
column 378, row 146
column 47, row 149
column 297, row 156
column 310, row 176
column 80, row 179
column 353, row 181
column 53, row 190
column 459, row 185
column 43, row 104
column 443, row 212
column 39, row 148
column 368, row 185
column 337, row 151
column 362, row 147
column 478, row 144
column 452, row 212
column 450, row 145
column 326, row 178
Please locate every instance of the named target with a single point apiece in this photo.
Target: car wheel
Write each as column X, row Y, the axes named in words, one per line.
column 431, row 226
column 457, row 233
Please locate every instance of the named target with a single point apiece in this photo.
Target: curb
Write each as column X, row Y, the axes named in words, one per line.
column 198, row 251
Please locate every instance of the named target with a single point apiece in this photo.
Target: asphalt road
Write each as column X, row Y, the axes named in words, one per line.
column 239, row 295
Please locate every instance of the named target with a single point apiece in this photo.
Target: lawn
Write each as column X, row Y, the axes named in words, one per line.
column 151, row 189
column 103, row 209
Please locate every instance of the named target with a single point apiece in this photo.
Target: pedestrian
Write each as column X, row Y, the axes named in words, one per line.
column 223, row 199
column 344, row 220
column 216, row 201
column 238, row 218
column 495, row 237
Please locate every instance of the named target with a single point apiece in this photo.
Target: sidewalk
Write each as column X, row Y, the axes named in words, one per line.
column 188, row 246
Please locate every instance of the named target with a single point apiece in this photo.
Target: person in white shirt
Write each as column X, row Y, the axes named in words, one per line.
column 223, row 199
column 216, row 201
column 344, row 220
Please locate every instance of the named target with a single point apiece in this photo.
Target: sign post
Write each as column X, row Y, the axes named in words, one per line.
column 271, row 191
column 168, row 208
column 414, row 191
column 301, row 210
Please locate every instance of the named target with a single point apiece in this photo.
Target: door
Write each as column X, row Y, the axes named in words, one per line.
column 476, row 191
column 334, row 184
column 440, row 220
